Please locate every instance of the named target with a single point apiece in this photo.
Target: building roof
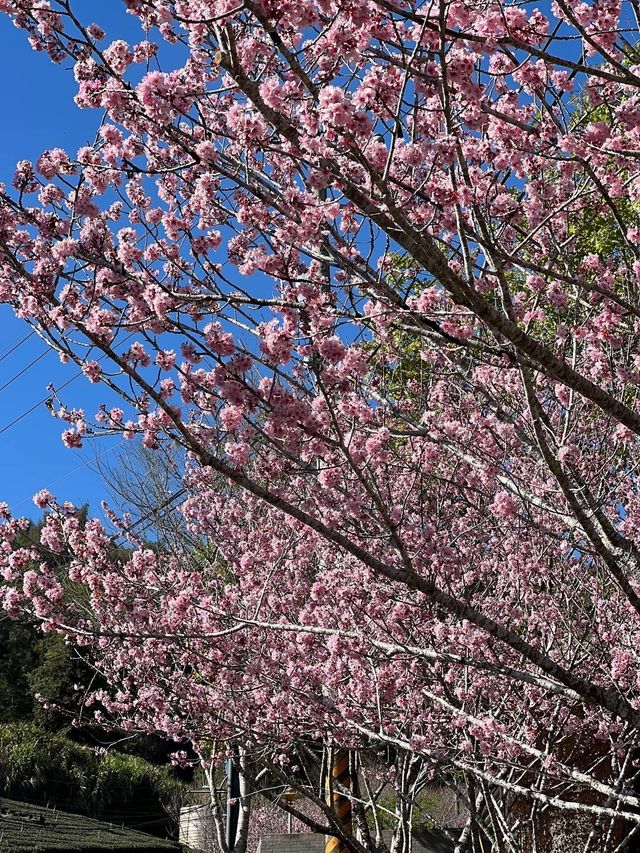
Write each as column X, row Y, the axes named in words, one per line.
column 25, row 828
column 425, row 841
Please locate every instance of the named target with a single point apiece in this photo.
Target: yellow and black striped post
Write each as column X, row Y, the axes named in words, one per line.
column 340, row 804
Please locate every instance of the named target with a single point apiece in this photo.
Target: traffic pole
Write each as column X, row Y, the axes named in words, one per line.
column 340, row 804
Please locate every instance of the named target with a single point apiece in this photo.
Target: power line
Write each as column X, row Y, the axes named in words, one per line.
column 49, row 396
column 24, row 369
column 38, row 404
column 85, row 464
column 23, row 415
column 125, row 531
column 13, row 347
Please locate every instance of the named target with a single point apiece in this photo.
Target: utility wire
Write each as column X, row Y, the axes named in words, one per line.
column 38, row 404
column 24, row 369
column 85, row 464
column 149, row 515
column 49, row 396
column 13, row 347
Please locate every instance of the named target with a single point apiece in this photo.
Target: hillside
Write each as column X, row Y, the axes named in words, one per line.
column 26, row 828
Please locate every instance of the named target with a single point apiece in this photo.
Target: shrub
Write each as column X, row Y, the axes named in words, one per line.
column 49, row 768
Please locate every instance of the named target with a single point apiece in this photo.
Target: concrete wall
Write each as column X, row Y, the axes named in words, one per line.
column 197, row 829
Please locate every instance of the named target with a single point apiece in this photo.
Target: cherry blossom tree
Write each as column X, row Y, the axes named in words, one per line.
column 372, row 268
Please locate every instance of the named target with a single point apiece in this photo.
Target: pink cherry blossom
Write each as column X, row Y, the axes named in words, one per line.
column 370, row 269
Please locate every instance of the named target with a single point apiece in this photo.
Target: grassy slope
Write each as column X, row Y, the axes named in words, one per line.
column 24, row 827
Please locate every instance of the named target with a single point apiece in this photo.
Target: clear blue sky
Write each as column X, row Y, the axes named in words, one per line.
column 36, row 103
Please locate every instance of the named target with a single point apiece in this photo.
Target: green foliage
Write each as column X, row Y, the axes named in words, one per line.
column 18, row 657
column 33, row 829
column 49, row 768
column 596, row 230
column 422, row 809
column 41, row 753
column 598, row 233
column 42, row 766
column 32, row 663
column 125, row 779
column 54, row 677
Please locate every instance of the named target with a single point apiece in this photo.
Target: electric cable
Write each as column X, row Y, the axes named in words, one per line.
column 150, row 514
column 13, row 347
column 84, row 464
column 24, row 370
column 49, row 396
column 38, row 404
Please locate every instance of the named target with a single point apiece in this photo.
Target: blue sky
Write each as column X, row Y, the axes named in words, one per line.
column 38, row 112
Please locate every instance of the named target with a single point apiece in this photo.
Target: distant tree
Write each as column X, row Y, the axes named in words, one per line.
column 18, row 641
column 32, row 663
column 145, row 487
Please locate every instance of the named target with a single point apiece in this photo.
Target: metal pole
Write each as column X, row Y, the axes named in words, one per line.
column 233, row 803
column 341, row 805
